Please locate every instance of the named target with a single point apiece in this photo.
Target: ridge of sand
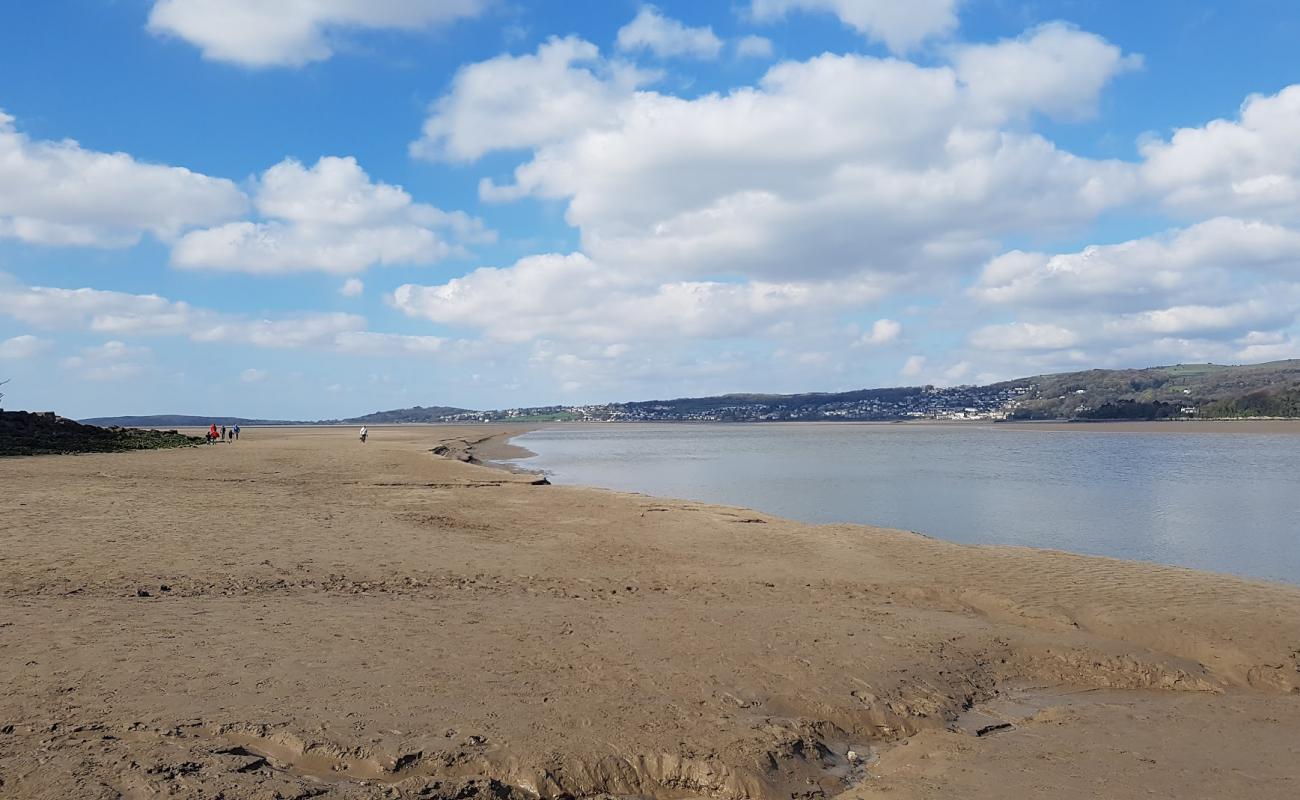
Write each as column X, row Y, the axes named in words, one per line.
column 300, row 615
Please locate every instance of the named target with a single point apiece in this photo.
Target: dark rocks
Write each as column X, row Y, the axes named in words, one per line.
column 987, row 729
column 539, row 482
column 24, row 433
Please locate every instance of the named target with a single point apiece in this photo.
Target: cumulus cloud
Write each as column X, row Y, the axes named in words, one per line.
column 60, row 193
column 754, row 47
column 1248, row 166
column 1055, row 69
column 698, row 220
column 883, row 331
column 1225, row 288
column 110, row 361
column 24, row 346
column 330, row 217
column 666, row 37
column 899, row 168
column 352, row 287
column 517, row 102
column 900, row 24
column 387, row 344
column 1024, row 336
column 572, row 297
column 914, row 366
column 125, row 314
column 1195, row 264
column 257, row 33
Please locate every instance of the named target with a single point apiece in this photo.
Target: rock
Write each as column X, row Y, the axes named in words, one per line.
column 852, row 756
column 24, row 434
column 540, row 482
column 987, row 729
column 142, row 593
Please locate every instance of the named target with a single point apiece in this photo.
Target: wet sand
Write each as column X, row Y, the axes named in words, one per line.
column 300, row 615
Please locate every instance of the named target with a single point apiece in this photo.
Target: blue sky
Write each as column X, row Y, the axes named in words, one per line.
column 323, row 208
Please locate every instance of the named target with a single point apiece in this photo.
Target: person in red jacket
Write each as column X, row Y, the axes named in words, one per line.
column 212, row 433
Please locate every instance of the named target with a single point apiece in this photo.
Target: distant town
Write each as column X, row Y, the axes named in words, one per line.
column 926, row 402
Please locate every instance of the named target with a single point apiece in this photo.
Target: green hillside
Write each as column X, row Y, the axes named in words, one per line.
column 1212, row 390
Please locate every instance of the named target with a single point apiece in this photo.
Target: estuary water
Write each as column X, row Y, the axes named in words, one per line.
column 1227, row 502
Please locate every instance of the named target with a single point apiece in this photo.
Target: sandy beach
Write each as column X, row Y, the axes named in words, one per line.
column 300, row 615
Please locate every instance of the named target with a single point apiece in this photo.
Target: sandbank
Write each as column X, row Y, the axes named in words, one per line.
column 301, row 615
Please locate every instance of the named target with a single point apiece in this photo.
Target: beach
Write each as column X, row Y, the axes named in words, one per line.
column 299, row 615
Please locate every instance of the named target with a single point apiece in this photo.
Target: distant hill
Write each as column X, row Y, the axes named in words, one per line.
column 413, row 414
column 1203, row 391
column 396, row 416
column 1213, row 391
column 180, row 421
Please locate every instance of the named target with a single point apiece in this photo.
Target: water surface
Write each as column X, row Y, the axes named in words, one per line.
column 1227, row 502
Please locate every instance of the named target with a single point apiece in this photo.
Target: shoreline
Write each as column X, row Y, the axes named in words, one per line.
column 347, row 619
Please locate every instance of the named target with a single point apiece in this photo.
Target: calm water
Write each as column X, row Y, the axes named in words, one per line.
column 1228, row 502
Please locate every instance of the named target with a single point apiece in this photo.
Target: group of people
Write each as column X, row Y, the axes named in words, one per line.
column 231, row 434
column 223, row 434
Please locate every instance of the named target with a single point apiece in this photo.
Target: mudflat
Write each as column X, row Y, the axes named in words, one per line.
column 300, row 615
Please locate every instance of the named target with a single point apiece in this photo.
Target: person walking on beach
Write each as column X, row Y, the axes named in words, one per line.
column 212, row 433
column 235, row 432
column 363, row 434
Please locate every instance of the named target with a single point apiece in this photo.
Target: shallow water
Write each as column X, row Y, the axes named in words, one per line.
column 1227, row 502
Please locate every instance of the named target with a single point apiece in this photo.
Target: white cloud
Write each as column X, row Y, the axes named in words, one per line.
column 883, row 331
column 698, row 220
column 1024, row 336
column 754, row 47
column 263, row 33
column 387, row 344
column 1247, row 166
column 1056, row 69
column 515, row 102
column 914, row 366
column 253, row 375
column 110, row 361
column 666, row 37
column 24, row 346
column 572, row 297
column 352, row 287
column 900, row 24
column 60, row 193
column 1224, row 288
column 898, row 169
column 1196, row 264
column 330, row 218
column 1267, row 346
column 125, row 314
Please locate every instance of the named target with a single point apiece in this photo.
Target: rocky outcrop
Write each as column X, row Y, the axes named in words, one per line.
column 26, row 433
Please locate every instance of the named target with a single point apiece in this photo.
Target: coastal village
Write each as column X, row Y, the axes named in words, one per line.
column 927, row 402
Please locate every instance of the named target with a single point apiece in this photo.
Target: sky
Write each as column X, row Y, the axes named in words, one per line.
column 320, row 208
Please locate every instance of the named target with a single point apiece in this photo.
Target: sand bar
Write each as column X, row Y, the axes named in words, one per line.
column 299, row 615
